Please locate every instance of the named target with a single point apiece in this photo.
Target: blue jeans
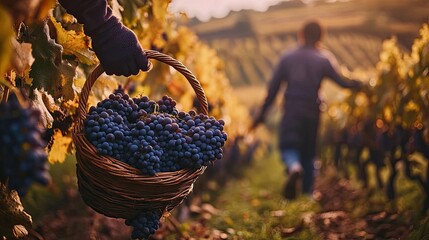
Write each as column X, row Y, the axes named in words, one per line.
column 292, row 158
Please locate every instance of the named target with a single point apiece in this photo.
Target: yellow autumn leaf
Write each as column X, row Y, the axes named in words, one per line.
column 229, row 221
column 104, row 86
column 71, row 105
column 92, row 101
column 43, row 9
column 79, row 82
column 75, row 43
column 68, row 73
column 68, row 18
column 59, row 147
column 159, row 8
column 6, row 33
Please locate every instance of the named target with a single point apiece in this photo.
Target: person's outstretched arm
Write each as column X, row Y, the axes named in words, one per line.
column 273, row 89
column 115, row 45
column 345, row 83
column 333, row 74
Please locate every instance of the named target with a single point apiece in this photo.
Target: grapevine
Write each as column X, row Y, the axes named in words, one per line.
column 396, row 123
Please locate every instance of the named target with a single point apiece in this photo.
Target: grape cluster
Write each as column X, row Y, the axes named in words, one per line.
column 22, row 155
column 153, row 136
column 144, row 224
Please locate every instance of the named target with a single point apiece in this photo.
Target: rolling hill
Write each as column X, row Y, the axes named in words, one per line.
column 250, row 42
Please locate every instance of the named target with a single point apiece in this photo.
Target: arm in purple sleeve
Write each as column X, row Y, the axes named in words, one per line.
column 345, row 83
column 116, row 46
column 273, row 89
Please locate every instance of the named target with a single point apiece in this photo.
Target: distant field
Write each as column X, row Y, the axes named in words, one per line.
column 257, row 92
column 251, row 60
column 381, row 18
column 251, row 42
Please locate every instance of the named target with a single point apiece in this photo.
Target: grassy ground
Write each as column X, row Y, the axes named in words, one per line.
column 253, row 207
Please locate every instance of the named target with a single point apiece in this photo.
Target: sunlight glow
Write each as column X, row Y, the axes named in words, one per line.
column 204, row 10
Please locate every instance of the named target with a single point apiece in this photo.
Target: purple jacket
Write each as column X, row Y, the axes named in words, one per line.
column 302, row 70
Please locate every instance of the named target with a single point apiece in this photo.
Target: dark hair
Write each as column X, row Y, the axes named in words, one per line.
column 312, row 32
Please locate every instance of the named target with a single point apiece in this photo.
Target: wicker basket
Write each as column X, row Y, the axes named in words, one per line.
column 116, row 189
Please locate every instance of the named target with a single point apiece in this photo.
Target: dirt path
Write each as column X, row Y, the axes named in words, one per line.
column 348, row 213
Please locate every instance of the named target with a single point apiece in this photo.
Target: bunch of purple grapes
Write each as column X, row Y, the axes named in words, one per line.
column 23, row 159
column 154, row 136
column 144, row 224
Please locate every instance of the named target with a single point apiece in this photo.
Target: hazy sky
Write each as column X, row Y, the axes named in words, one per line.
column 204, row 9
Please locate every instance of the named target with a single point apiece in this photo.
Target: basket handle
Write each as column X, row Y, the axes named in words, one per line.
column 83, row 98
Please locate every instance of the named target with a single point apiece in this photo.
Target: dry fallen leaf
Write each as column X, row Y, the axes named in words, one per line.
column 13, row 219
column 286, row 232
column 206, row 207
column 278, row 213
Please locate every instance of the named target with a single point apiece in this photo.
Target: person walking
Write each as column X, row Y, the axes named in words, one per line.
column 302, row 70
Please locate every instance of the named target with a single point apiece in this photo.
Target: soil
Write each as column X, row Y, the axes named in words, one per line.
column 348, row 214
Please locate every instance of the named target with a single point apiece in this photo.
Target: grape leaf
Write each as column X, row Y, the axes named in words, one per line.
column 49, row 102
column 130, row 13
column 159, row 8
column 21, row 57
column 61, row 145
column 13, row 219
column 68, row 73
column 74, row 43
column 43, row 9
column 39, row 104
column 49, row 71
column 116, row 9
column 70, row 105
column 45, row 70
column 104, row 86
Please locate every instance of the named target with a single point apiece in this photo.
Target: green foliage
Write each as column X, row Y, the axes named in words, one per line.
column 422, row 231
column 45, row 70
